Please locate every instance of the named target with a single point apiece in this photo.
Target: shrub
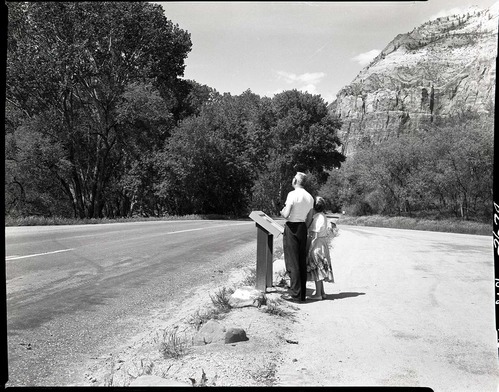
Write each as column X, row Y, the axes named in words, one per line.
column 221, row 299
column 173, row 346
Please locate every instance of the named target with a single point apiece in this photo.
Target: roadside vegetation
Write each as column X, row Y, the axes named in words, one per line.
column 274, row 307
column 57, row 220
column 173, row 345
column 174, row 349
column 455, row 225
column 401, row 222
column 218, row 308
column 221, row 299
column 442, row 171
column 106, row 135
column 111, row 128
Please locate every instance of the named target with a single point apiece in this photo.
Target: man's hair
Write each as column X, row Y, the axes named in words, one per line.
column 300, row 178
column 320, row 204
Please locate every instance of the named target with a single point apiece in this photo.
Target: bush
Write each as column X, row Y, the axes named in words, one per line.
column 173, row 346
column 221, row 299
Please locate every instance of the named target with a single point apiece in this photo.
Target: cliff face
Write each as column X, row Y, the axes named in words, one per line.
column 440, row 68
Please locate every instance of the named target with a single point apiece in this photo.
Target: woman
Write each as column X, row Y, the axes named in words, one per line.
column 318, row 258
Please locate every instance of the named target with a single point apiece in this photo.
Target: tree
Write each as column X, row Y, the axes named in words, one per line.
column 75, row 73
column 304, row 137
column 444, row 170
column 206, row 165
column 460, row 164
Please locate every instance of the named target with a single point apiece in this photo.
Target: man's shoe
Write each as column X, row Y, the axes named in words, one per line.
column 291, row 298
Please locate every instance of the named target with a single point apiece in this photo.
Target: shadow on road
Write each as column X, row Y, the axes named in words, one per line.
column 330, row 297
column 343, row 295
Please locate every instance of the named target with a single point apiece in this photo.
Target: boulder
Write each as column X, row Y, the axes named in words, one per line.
column 246, row 296
column 211, row 332
column 234, row 335
column 156, row 381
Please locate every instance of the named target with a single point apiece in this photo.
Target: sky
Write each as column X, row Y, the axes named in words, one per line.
column 317, row 47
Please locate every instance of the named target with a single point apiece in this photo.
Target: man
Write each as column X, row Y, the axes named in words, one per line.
column 297, row 212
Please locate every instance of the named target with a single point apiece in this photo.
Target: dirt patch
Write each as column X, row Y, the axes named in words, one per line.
column 248, row 363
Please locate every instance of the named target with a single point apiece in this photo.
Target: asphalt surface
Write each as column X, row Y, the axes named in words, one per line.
column 408, row 308
column 75, row 293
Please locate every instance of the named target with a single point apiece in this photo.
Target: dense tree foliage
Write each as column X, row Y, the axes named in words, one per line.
column 99, row 122
column 240, row 152
column 442, row 171
column 90, row 94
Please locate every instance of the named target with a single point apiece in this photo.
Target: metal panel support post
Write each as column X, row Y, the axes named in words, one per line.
column 264, row 249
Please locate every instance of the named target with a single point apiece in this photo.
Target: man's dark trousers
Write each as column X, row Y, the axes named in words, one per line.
column 295, row 257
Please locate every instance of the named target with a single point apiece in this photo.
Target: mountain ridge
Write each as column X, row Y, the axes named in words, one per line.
column 442, row 67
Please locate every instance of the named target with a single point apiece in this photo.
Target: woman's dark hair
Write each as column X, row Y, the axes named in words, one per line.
column 320, row 204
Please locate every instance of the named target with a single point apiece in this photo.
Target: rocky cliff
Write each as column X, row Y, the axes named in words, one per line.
column 441, row 67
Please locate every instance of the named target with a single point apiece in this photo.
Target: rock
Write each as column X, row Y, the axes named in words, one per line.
column 435, row 71
column 234, row 335
column 246, row 296
column 156, row 381
column 211, row 332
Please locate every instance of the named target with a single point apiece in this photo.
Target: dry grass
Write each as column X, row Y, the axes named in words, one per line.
column 57, row 220
column 201, row 316
column 173, row 345
column 401, row 222
column 221, row 298
column 265, row 374
column 274, row 308
column 203, row 381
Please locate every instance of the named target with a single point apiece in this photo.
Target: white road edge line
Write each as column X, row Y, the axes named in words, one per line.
column 207, row 227
column 37, row 254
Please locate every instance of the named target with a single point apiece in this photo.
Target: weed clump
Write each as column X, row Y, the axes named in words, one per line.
column 203, row 381
column 173, row 345
column 200, row 317
column 273, row 307
column 265, row 374
column 221, row 299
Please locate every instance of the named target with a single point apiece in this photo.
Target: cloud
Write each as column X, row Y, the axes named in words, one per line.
column 309, row 88
column 365, row 58
column 308, row 78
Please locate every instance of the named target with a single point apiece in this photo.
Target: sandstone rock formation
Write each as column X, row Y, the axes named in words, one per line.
column 442, row 67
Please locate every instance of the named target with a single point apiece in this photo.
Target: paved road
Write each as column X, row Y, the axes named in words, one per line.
column 409, row 308
column 74, row 292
